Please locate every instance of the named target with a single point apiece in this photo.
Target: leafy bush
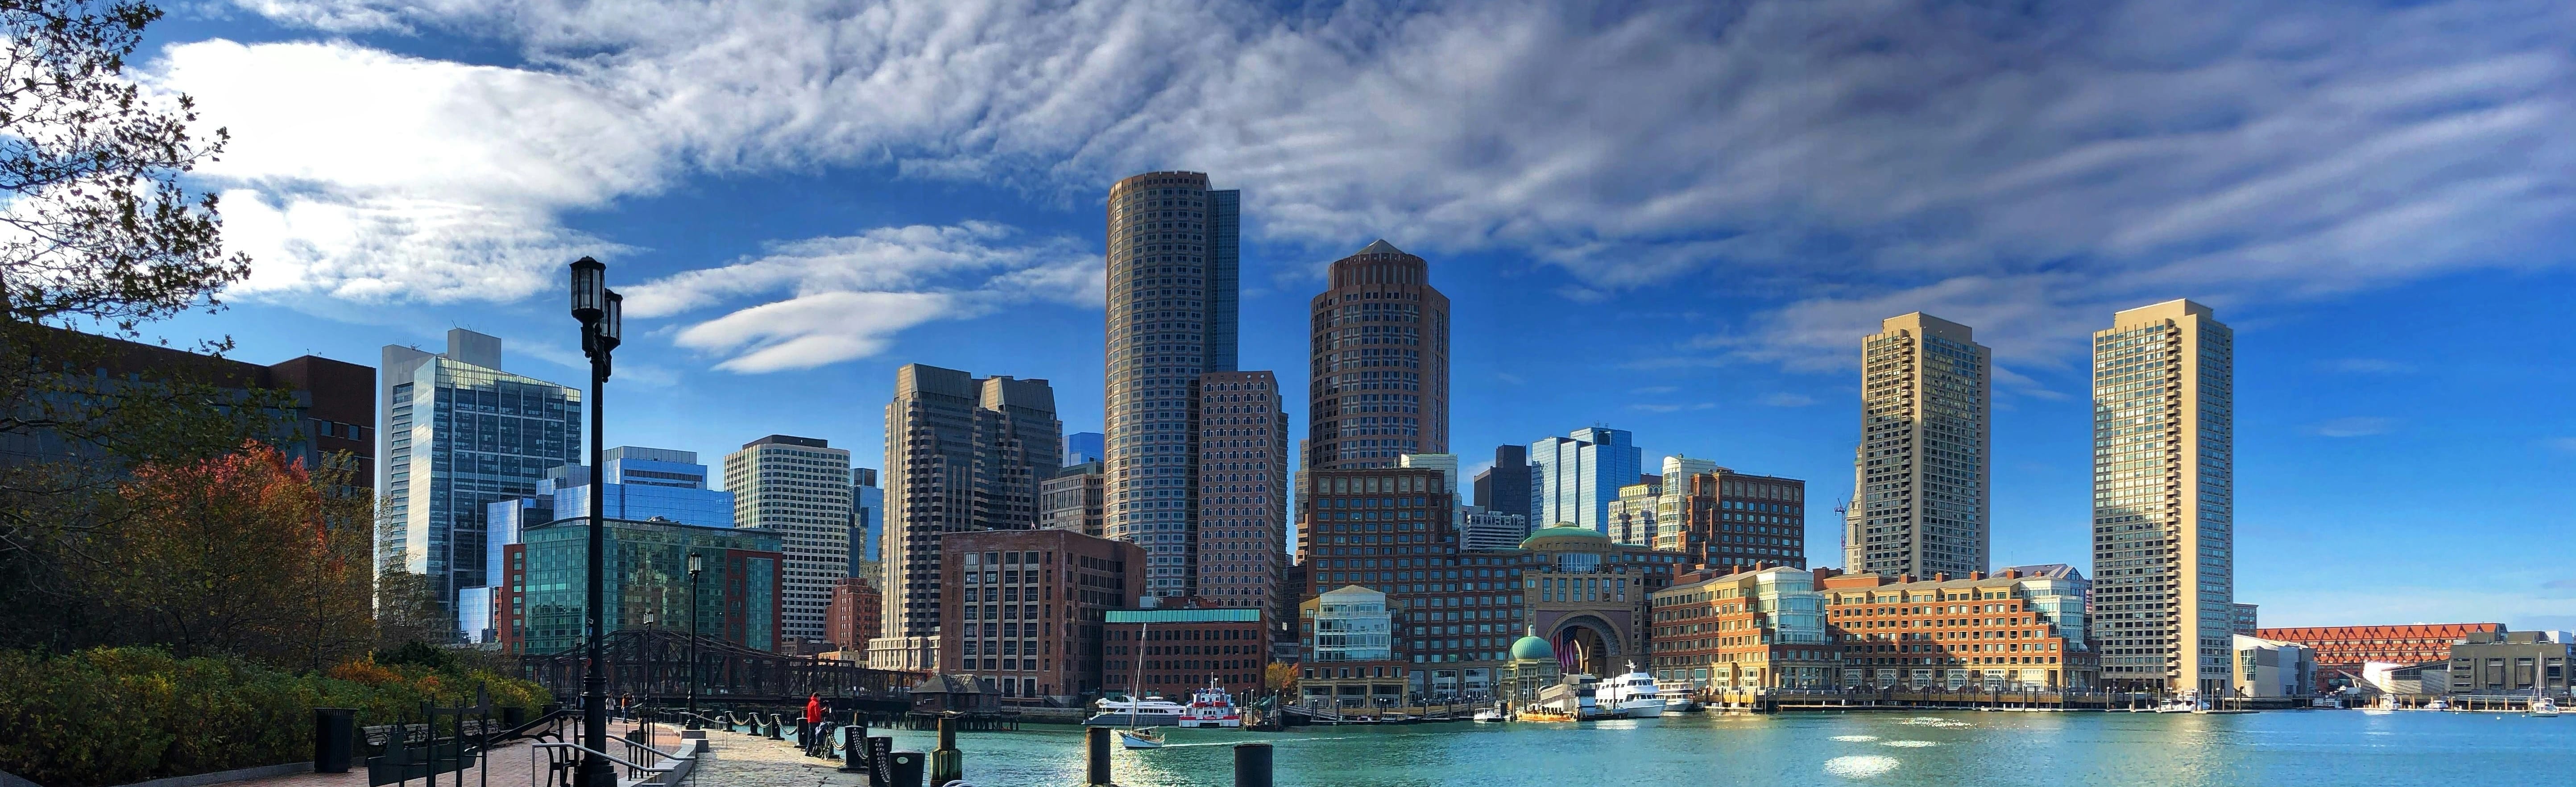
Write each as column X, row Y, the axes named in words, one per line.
column 121, row 715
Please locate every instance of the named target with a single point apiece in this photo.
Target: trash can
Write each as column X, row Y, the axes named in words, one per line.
column 335, row 733
column 908, row 768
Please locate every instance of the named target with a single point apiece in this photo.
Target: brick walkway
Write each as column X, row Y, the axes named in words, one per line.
column 760, row 762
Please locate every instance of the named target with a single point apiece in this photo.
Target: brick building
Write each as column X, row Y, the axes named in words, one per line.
column 855, row 615
column 2007, row 630
column 1172, row 652
column 1023, row 610
column 1762, row 628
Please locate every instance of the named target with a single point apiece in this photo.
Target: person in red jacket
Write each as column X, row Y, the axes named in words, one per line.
column 814, row 709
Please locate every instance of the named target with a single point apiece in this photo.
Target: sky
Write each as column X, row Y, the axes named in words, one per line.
column 1675, row 219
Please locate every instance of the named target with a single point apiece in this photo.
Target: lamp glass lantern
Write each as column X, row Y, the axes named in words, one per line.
column 612, row 319
column 589, row 289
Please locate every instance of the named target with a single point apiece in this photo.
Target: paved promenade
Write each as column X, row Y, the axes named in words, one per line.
column 760, row 762
column 509, row 766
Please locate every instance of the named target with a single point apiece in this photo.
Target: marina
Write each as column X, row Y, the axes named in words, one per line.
column 1834, row 748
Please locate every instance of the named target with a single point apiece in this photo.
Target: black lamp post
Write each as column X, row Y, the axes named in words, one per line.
column 695, row 565
column 598, row 310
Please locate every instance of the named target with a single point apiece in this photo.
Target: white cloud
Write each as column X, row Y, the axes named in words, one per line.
column 2024, row 171
column 2356, row 426
column 813, row 330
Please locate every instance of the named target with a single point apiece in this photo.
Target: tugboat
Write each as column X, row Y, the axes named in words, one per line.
column 1211, row 707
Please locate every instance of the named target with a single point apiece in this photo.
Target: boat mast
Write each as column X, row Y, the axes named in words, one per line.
column 1136, row 669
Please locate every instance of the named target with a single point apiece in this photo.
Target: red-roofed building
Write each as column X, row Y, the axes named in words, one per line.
column 2341, row 650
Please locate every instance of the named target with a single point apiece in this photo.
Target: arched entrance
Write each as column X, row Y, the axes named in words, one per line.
column 1586, row 644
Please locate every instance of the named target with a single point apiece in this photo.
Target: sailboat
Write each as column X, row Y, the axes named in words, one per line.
column 1131, row 737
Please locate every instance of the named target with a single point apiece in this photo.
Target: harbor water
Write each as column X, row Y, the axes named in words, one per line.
column 1967, row 748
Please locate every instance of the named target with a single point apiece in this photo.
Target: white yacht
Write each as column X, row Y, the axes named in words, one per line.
column 1144, row 712
column 2543, row 707
column 1633, row 695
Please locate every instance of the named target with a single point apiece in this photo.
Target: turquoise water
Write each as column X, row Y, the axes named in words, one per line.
column 2039, row 749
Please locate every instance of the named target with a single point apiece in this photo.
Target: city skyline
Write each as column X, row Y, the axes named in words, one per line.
column 1672, row 371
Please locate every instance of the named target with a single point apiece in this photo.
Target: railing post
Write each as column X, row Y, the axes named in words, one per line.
column 1095, row 745
column 1252, row 765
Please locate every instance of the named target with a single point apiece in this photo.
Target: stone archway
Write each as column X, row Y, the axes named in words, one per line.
column 1586, row 644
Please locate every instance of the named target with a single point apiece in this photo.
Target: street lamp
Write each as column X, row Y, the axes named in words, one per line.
column 695, row 565
column 598, row 309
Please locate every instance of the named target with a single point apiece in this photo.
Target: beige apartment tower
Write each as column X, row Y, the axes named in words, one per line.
column 800, row 487
column 2164, row 498
column 1172, row 317
column 1926, row 424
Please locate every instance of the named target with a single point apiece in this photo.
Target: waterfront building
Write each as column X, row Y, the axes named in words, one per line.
column 1029, row 608
column 798, row 487
column 1347, row 634
column 2243, row 619
column 2512, row 663
column 1172, row 652
column 1379, row 384
column 1672, row 506
column 1632, row 514
column 2272, row 668
column 1505, row 487
column 1724, row 518
column 1588, row 597
column 2006, row 630
column 645, row 484
column 539, row 607
column 2342, row 651
column 1486, row 531
column 461, row 434
column 1573, row 479
column 1529, row 669
column 1072, row 499
column 855, row 616
column 1927, row 393
column 1173, row 298
column 2164, row 498
column 1242, row 523
column 867, row 521
column 962, row 454
column 1759, row 628
column 1082, row 447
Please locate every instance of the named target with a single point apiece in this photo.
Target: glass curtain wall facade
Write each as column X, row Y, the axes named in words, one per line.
column 647, row 581
column 1573, row 479
column 460, row 434
column 1173, row 265
column 1927, row 390
column 2164, row 498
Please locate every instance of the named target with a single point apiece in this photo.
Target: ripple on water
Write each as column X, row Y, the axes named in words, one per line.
column 1860, row 766
column 1855, row 738
column 1909, row 744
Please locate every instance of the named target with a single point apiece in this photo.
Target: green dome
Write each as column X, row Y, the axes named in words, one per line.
column 1565, row 532
column 1532, row 648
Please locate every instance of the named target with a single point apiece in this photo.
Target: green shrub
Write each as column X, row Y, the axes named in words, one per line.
column 120, row 715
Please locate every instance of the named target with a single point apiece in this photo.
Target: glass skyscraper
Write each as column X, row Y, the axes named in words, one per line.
column 460, row 434
column 1573, row 479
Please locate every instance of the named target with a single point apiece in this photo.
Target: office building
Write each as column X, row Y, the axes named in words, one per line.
column 1752, row 629
column 643, row 483
column 2343, row 651
column 1083, row 447
column 2164, row 498
column 1173, row 298
column 963, row 454
column 1505, row 487
column 1993, row 632
column 2243, row 619
column 2272, row 668
column 1350, row 661
column 1926, row 422
column 538, row 607
column 1029, row 609
column 798, row 487
column 460, row 434
column 328, row 413
column 1632, row 513
column 1573, row 479
column 855, row 616
column 1485, row 531
column 1072, row 500
column 1239, row 548
column 1671, row 505
column 1173, row 652
column 1380, row 363
column 867, row 521
column 1724, row 518
column 2512, row 664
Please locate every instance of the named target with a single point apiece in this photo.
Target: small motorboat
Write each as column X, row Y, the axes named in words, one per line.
column 2437, row 705
column 1495, row 716
column 2542, row 708
column 1145, row 738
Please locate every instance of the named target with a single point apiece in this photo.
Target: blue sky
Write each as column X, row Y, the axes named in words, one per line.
column 1676, row 220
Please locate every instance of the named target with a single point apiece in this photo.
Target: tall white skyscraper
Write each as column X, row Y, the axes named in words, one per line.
column 1926, row 423
column 459, row 435
column 2164, row 498
column 800, row 487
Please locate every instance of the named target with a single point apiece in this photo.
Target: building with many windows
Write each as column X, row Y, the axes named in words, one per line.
column 1926, row 425
column 2007, row 630
column 1028, row 609
column 1725, row 518
column 854, row 617
column 1379, row 386
column 459, row 435
column 2342, row 651
column 1760, row 628
column 1504, row 488
column 1633, row 513
column 2513, row 663
column 1243, row 490
column 1348, row 638
column 1486, row 531
column 963, row 454
column 1071, row 500
column 1174, row 265
column 1574, row 479
column 799, row 488
column 539, row 608
column 1172, row 652
column 2164, row 499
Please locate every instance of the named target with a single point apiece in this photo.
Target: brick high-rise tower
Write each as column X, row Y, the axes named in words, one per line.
column 1380, row 385
column 1173, row 270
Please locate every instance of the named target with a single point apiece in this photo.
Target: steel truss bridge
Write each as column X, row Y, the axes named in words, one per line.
column 652, row 666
